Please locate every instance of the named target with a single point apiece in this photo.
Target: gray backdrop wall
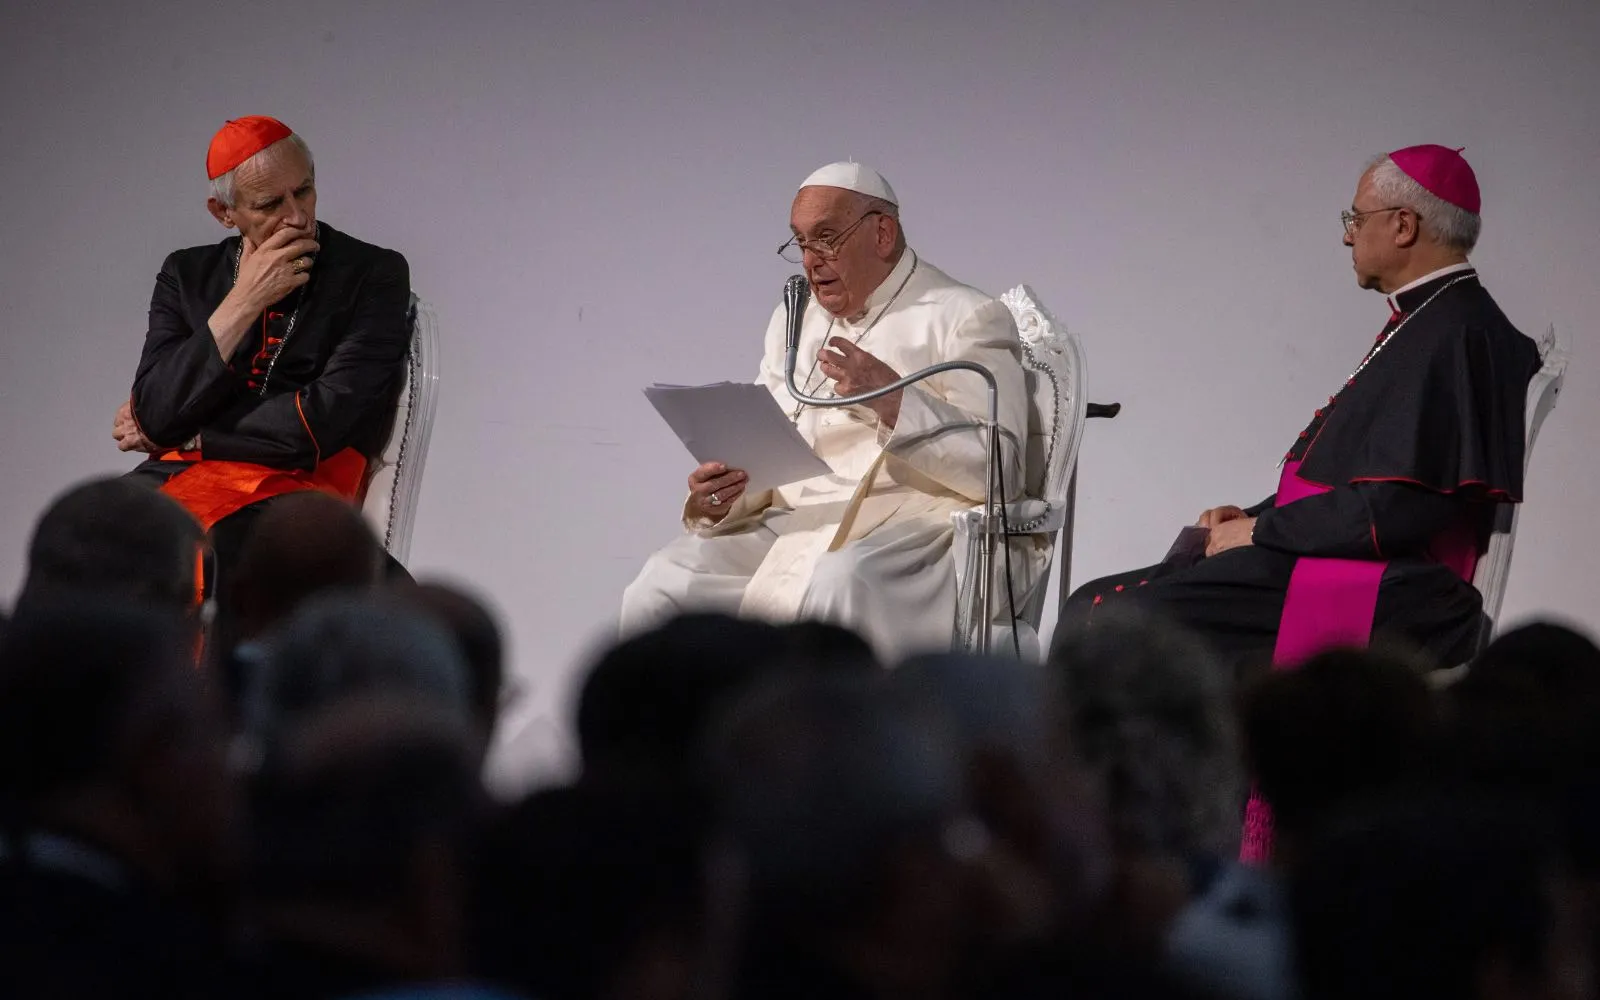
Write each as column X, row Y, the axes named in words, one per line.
column 591, row 194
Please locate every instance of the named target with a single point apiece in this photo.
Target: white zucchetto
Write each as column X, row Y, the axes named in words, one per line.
column 852, row 177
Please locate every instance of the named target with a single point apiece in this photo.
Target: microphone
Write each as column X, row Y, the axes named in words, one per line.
column 796, row 293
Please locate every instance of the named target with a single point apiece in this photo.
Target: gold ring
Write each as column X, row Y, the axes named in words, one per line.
column 299, row 264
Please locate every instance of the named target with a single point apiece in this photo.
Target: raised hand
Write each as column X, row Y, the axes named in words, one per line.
column 275, row 268
column 266, row 274
column 713, row 487
column 854, row 370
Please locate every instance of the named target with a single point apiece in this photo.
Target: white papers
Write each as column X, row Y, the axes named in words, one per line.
column 740, row 425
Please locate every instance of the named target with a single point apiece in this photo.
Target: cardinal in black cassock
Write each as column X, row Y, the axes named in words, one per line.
column 1387, row 497
column 273, row 358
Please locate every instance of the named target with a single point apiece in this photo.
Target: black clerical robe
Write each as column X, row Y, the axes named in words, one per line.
column 1418, row 445
column 304, row 401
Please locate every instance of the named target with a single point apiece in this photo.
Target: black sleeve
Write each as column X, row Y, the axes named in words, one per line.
column 182, row 382
column 1263, row 505
column 297, row 430
column 1363, row 521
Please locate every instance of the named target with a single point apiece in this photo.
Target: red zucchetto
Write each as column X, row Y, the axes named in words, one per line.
column 240, row 139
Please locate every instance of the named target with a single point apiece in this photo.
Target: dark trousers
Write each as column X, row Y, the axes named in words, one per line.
column 1235, row 599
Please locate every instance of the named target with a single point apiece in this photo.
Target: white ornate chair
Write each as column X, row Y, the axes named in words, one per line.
column 1053, row 362
column 1495, row 564
column 394, row 480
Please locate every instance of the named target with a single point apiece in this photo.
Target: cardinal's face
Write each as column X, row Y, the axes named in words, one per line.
column 275, row 189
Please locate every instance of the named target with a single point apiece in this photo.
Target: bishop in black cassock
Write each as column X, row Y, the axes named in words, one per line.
column 1388, row 495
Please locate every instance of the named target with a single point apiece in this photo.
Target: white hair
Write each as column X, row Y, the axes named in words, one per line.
column 1447, row 224
column 222, row 187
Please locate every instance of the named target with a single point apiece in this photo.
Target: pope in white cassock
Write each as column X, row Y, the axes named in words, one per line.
column 867, row 547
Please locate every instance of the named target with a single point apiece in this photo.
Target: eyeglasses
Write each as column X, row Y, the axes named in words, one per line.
column 794, row 251
column 1353, row 220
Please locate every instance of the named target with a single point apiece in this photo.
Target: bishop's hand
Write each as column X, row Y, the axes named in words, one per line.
column 855, row 371
column 1231, row 534
column 1219, row 515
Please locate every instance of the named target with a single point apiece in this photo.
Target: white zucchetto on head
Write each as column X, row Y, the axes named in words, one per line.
column 852, row 177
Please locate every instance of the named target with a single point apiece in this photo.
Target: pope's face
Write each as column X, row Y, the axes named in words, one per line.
column 271, row 191
column 863, row 255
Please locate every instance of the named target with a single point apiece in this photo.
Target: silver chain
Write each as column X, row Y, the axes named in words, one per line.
column 272, row 362
column 915, row 261
column 1409, row 316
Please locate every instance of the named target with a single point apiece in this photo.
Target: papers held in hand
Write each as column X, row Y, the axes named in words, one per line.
column 1189, row 548
column 742, row 426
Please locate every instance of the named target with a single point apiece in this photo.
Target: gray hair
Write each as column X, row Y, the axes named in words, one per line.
column 222, row 187
column 889, row 209
column 1447, row 224
column 1151, row 717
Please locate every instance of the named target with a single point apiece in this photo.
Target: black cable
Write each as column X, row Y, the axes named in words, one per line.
column 999, row 473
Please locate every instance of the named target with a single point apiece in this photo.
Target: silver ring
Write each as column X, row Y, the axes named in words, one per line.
column 716, row 501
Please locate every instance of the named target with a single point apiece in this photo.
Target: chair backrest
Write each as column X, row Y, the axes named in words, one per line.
column 1495, row 564
column 1052, row 361
column 394, row 478
column 1053, row 365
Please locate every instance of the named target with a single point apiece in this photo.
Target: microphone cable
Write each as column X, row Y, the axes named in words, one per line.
column 998, row 477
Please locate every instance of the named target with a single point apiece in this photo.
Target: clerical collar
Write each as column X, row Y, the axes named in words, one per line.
column 887, row 288
column 1404, row 300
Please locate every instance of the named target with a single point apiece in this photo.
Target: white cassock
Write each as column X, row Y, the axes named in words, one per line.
column 867, row 547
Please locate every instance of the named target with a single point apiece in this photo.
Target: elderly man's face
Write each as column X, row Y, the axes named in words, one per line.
column 271, row 191
column 1378, row 237
column 865, row 254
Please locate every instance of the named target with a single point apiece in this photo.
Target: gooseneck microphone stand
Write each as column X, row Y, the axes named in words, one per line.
column 796, row 294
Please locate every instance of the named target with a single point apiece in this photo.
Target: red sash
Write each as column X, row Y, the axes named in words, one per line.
column 211, row 490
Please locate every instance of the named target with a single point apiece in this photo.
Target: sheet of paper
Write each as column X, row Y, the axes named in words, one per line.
column 1189, row 548
column 741, row 425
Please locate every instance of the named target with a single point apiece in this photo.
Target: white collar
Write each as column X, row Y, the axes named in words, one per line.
column 1394, row 296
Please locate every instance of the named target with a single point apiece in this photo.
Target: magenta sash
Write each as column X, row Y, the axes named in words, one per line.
column 1330, row 603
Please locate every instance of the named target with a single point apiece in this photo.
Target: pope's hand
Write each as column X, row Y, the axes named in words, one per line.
column 275, row 268
column 1231, row 534
column 126, row 432
column 713, row 488
column 1219, row 515
column 854, row 371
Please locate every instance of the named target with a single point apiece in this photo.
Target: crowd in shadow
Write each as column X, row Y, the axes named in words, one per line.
column 286, row 801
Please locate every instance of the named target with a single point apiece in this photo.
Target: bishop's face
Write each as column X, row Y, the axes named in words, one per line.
column 849, row 249
column 272, row 190
column 1376, row 237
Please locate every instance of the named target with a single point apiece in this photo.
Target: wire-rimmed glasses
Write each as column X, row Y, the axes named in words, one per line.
column 794, row 251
